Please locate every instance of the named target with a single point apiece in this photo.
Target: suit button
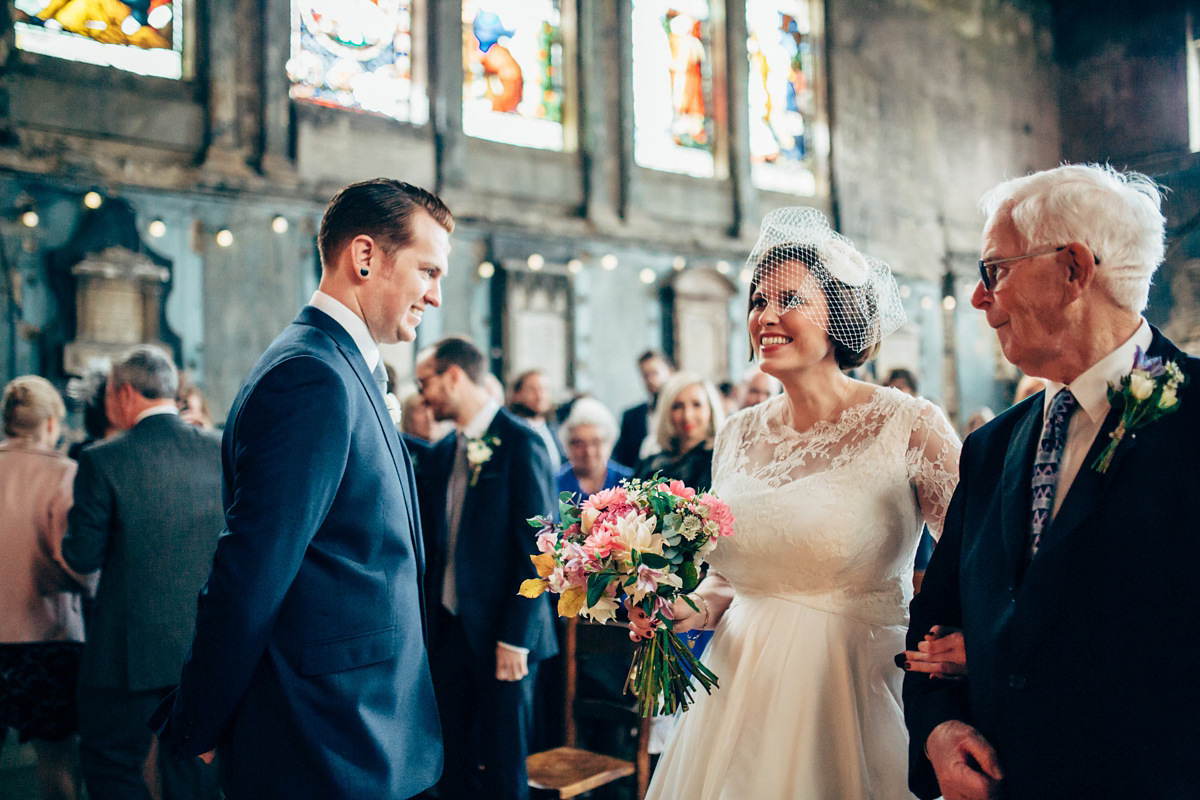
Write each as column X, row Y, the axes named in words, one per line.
column 1016, row 682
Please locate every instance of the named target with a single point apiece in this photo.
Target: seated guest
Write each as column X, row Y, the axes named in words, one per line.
column 87, row 392
column 417, row 420
column 687, row 419
column 1026, row 387
column 904, row 380
column 193, row 405
column 758, row 387
column 40, row 622
column 588, row 434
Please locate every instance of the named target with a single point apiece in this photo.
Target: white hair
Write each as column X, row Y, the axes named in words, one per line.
column 589, row 411
column 1116, row 214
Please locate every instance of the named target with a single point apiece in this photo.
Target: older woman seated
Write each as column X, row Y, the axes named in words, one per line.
column 588, row 434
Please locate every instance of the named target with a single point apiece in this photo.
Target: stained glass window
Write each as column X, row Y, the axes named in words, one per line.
column 784, row 134
column 142, row 36
column 673, row 124
column 513, row 71
column 357, row 55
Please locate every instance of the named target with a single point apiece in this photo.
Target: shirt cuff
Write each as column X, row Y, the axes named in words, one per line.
column 514, row 648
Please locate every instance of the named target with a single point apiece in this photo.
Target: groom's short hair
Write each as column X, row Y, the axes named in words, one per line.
column 462, row 353
column 381, row 208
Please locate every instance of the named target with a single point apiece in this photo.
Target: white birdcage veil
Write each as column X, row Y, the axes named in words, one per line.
column 799, row 255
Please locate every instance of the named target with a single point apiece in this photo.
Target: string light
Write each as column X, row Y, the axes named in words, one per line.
column 93, row 200
column 157, row 228
column 224, row 237
column 608, row 261
column 575, row 266
column 647, row 276
column 723, row 267
column 487, row 269
column 30, row 219
column 279, row 224
column 679, row 263
column 949, row 302
column 535, row 262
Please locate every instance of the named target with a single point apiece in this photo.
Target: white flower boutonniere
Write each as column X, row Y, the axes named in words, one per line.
column 393, row 407
column 1148, row 393
column 479, row 452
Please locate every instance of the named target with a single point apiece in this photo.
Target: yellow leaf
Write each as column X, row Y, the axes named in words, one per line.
column 543, row 563
column 571, row 602
column 533, row 587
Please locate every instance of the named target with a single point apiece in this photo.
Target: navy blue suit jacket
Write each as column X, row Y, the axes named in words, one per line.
column 495, row 540
column 308, row 668
column 634, row 428
column 1084, row 666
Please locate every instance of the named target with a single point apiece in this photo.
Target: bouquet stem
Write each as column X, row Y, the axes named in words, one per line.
column 661, row 675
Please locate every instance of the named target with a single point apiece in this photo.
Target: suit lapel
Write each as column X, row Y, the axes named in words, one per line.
column 473, row 496
column 1015, row 484
column 349, row 350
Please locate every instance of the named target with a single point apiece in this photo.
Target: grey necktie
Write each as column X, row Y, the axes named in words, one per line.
column 456, row 494
column 381, row 377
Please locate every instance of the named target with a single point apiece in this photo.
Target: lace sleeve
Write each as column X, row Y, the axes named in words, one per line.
column 932, row 461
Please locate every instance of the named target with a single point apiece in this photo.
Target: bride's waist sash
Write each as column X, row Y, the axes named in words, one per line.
column 885, row 608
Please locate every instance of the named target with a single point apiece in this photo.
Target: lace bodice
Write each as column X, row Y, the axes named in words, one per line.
column 831, row 516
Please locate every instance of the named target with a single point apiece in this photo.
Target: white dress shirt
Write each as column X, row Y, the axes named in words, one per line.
column 353, row 325
column 1091, row 391
column 165, row 408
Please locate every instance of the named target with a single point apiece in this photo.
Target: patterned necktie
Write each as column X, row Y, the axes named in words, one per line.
column 381, row 377
column 1045, row 466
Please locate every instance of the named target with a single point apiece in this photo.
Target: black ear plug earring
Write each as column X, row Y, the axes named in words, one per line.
column 364, row 272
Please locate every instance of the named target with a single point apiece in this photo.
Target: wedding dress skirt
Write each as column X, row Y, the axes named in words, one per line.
column 827, row 524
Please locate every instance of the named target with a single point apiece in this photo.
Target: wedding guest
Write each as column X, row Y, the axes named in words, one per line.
column 478, row 488
column 1070, row 548
column 147, row 514
column 637, row 438
column 495, row 388
column 687, row 419
column 728, row 394
column 417, row 420
column 41, row 627
column 532, row 402
column 87, row 392
column 588, row 434
column 978, row 419
column 903, row 379
column 829, row 485
column 758, row 387
column 1028, row 386
column 193, row 405
column 308, row 668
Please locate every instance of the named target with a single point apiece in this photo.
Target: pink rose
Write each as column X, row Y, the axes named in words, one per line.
column 606, row 497
column 546, row 542
column 719, row 513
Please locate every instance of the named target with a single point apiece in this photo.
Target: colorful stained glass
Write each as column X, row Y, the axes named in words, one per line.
column 357, row 55
column 673, row 126
column 142, row 36
column 784, row 141
column 513, row 72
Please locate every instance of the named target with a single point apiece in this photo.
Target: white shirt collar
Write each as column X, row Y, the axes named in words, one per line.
column 478, row 426
column 352, row 324
column 165, row 408
column 1091, row 388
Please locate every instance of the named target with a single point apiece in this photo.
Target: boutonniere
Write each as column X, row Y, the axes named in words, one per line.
column 479, row 452
column 1148, row 393
column 393, row 407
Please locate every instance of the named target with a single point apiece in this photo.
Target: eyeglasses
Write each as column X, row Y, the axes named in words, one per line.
column 987, row 269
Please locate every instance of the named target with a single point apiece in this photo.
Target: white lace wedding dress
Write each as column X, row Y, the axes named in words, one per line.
column 827, row 524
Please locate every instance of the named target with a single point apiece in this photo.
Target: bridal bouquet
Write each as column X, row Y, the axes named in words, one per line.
column 641, row 544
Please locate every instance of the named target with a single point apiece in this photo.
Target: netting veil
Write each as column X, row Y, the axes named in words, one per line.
column 799, row 259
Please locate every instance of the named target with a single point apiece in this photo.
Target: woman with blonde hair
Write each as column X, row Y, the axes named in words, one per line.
column 41, row 627
column 688, row 415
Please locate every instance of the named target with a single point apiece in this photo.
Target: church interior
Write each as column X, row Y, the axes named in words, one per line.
column 164, row 167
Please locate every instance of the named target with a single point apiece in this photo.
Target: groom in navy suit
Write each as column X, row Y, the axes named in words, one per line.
column 308, row 670
column 1073, row 580
column 478, row 488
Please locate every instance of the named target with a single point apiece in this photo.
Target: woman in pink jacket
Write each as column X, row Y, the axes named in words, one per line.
column 41, row 628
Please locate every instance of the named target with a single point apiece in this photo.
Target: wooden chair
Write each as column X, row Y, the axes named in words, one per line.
column 569, row 770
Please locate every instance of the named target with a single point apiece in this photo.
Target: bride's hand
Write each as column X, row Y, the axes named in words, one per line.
column 942, row 654
column 688, row 618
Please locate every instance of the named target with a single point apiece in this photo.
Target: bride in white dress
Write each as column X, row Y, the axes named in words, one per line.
column 829, row 484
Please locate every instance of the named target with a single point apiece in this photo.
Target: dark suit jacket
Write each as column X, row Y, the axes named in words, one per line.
column 634, row 427
column 308, row 666
column 1083, row 669
column 147, row 514
column 495, row 539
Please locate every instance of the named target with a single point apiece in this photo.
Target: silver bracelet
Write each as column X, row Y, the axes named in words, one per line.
column 700, row 597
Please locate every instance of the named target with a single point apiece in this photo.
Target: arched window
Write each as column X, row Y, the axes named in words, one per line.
column 513, row 81
column 673, row 125
column 358, row 55
column 141, row 36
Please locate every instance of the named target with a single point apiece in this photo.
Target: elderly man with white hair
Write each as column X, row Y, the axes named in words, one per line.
column 1070, row 550
column 588, row 434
